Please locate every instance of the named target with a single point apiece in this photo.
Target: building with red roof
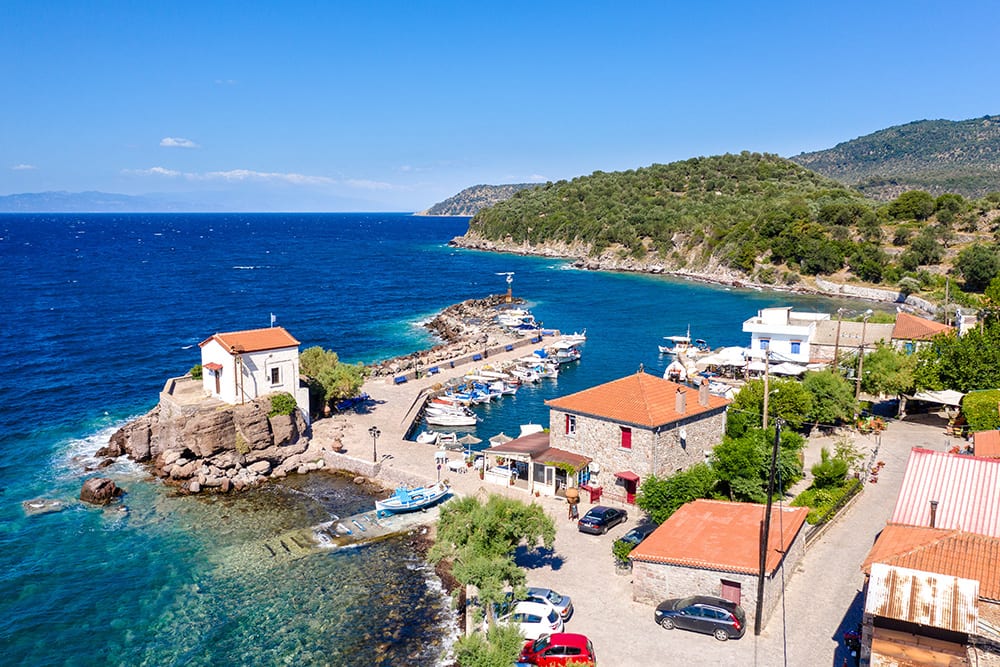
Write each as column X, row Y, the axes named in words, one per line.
column 712, row 547
column 986, row 444
column 239, row 366
column 910, row 331
column 637, row 426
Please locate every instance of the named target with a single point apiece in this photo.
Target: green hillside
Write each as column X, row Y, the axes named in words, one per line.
column 934, row 155
column 474, row 199
column 750, row 216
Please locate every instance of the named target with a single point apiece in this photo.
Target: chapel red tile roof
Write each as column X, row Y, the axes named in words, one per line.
column 719, row 535
column 950, row 552
column 911, row 327
column 986, row 443
column 640, row 399
column 254, row 340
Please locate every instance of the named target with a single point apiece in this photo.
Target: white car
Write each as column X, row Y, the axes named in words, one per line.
column 533, row 619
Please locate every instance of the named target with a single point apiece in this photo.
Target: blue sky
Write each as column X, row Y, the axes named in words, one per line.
column 393, row 106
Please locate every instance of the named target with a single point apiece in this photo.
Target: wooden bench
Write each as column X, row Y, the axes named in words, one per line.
column 399, row 380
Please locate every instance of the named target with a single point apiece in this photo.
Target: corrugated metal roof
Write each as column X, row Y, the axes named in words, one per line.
column 924, row 598
column 966, row 488
column 948, row 552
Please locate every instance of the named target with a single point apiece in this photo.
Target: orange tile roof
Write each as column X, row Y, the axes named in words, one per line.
column 254, row 340
column 719, row 535
column 986, row 443
column 911, row 327
column 640, row 399
column 950, row 552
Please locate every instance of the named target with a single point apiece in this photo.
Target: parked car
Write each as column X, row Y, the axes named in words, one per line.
column 559, row 649
column 534, row 619
column 639, row 533
column 703, row 613
column 599, row 519
column 562, row 603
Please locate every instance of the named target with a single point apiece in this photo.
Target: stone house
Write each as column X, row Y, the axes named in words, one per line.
column 634, row 427
column 239, row 366
column 712, row 547
column 910, row 332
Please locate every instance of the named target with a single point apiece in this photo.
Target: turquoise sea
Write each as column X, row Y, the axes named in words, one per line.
column 101, row 308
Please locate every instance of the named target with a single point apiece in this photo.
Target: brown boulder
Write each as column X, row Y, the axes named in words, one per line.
column 99, row 491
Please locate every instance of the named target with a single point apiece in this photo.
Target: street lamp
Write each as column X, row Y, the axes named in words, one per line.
column 374, row 433
column 861, row 355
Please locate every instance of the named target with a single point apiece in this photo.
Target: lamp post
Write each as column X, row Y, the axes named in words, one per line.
column 375, row 433
column 861, row 356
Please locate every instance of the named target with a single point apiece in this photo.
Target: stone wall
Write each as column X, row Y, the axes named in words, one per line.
column 653, row 583
column 658, row 452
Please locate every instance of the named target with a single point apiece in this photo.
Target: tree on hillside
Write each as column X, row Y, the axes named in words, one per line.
column 912, row 205
column 978, row 265
column 480, row 539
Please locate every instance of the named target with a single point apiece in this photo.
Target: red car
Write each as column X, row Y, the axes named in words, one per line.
column 559, row 649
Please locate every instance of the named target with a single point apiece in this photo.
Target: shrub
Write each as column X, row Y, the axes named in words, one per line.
column 282, row 404
column 821, row 501
column 830, row 471
column 620, row 549
column 980, row 409
column 196, row 372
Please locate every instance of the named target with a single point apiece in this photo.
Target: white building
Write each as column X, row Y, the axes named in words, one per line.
column 783, row 332
column 240, row 366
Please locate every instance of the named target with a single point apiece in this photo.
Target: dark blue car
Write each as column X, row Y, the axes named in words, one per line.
column 599, row 519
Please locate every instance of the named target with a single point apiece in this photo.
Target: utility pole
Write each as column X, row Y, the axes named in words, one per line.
column 765, row 530
column 836, row 343
column 861, row 359
column 767, row 374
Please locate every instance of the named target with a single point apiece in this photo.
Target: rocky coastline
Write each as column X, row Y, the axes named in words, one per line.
column 713, row 273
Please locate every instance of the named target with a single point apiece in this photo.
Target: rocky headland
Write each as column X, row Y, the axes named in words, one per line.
column 206, row 445
column 714, row 272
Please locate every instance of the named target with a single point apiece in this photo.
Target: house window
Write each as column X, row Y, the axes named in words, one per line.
column 796, row 347
column 765, row 343
column 908, row 347
column 275, row 375
column 570, row 424
column 626, row 437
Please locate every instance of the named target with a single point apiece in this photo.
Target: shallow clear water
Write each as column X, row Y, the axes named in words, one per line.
column 101, row 309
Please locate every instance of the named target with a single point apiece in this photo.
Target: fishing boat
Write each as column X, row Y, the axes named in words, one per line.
column 563, row 352
column 679, row 344
column 428, row 437
column 412, row 499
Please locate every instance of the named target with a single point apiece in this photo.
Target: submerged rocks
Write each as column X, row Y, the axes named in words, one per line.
column 99, row 491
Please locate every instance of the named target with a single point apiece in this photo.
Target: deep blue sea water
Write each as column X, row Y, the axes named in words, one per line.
column 100, row 309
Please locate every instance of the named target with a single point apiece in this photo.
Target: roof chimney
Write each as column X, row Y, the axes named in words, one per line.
column 703, row 393
column 934, row 504
column 680, row 401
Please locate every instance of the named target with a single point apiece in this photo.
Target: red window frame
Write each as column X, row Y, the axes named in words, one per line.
column 626, row 437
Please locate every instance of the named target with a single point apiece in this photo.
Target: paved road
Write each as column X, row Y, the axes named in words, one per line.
column 822, row 597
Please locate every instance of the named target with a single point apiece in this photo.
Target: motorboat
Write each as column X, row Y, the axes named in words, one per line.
column 676, row 372
column 679, row 344
column 564, row 352
column 451, row 419
column 428, row 437
column 576, row 337
column 407, row 499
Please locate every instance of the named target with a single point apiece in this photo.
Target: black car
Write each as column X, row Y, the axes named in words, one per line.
column 599, row 519
column 639, row 533
column 703, row 613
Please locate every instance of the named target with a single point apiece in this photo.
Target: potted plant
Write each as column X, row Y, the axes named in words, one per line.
column 620, row 549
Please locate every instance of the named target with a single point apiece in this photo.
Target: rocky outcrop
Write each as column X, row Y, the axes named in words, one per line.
column 99, row 491
column 213, row 447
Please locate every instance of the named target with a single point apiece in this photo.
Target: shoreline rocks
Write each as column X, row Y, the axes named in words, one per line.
column 99, row 491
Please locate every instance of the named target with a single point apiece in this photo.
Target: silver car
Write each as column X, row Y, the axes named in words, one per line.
column 562, row 603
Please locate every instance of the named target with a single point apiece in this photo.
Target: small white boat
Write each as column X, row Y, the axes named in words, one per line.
column 428, row 437
column 576, row 337
column 409, row 500
column 446, row 419
column 680, row 344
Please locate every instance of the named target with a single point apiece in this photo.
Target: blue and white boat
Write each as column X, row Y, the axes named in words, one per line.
column 410, row 500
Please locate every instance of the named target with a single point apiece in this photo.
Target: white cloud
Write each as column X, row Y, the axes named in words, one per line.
column 364, row 184
column 153, row 171
column 537, row 178
column 177, row 142
column 23, row 167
